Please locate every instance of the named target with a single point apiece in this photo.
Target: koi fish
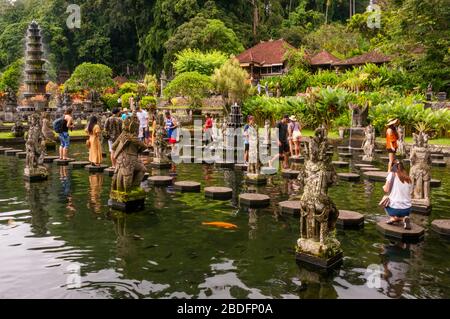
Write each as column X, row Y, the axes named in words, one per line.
column 221, row 225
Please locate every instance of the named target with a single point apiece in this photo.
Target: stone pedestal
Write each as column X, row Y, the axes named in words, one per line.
column 35, row 175
column 160, row 164
column 253, row 200
column 255, row 179
column 187, row 186
column 350, row 220
column 422, row 207
column 324, row 256
column 219, row 193
column 160, row 180
column 127, row 201
column 396, row 231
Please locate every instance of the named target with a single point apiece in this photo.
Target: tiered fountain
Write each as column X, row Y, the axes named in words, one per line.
column 35, row 75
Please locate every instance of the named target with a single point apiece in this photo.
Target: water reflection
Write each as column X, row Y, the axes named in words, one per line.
column 36, row 196
column 395, row 267
column 95, row 190
column 313, row 284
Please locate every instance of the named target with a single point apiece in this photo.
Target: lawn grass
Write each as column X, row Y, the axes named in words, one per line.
column 8, row 135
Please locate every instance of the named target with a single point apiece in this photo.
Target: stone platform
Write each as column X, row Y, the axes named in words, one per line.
column 12, row 152
column 21, row 155
column 256, row 179
column 266, row 170
column 253, row 200
column 4, row 149
column 340, row 163
column 291, row 207
column 376, row 176
column 435, row 163
column 220, row 193
column 435, row 183
column 441, row 226
column 187, row 186
column 61, row 162
column 50, row 159
column 160, row 180
column 35, row 178
column 396, row 231
column 95, row 168
column 329, row 263
column 79, row 164
column 127, row 207
column 290, row 173
column 369, row 169
column 360, row 165
column 351, row 177
column 348, row 219
column 347, row 155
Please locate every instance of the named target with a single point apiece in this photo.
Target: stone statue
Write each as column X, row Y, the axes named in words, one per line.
column 359, row 115
column 267, row 132
column 129, row 169
column 369, row 143
column 318, row 212
column 160, row 142
column 66, row 100
column 429, row 92
column 35, row 149
column 225, row 133
column 18, row 130
column 401, row 141
column 420, row 171
column 47, row 128
column 253, row 151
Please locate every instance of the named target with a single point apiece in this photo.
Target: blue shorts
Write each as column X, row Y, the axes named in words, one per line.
column 396, row 212
column 64, row 138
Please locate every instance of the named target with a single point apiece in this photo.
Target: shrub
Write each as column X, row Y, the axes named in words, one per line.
column 192, row 85
column 194, row 60
column 90, row 76
column 111, row 100
column 151, row 84
column 128, row 87
column 148, row 102
column 125, row 99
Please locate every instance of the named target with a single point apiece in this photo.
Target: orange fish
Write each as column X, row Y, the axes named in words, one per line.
column 221, row 225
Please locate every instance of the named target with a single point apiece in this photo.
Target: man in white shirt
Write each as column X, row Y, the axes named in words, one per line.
column 143, row 118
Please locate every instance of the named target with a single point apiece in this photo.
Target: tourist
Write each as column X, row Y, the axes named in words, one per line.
column 171, row 128
column 250, row 122
column 208, row 128
column 93, row 143
column 258, row 87
column 67, row 124
column 398, row 186
column 144, row 133
column 125, row 114
column 131, row 103
column 153, row 129
column 391, row 140
column 283, row 144
column 113, row 128
column 295, row 136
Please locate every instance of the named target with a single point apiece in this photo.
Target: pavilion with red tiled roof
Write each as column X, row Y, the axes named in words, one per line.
column 369, row 57
column 265, row 59
column 323, row 59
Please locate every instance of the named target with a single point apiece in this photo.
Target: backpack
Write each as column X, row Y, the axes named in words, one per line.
column 58, row 125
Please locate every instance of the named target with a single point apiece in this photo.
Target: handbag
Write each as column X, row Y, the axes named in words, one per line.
column 88, row 143
column 384, row 202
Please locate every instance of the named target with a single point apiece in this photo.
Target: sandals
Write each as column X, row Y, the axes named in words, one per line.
column 391, row 222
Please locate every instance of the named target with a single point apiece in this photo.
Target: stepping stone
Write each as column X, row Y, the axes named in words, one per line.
column 441, row 226
column 352, row 177
column 65, row 162
column 437, row 156
column 396, row 231
column 376, row 176
column 145, row 177
column 162, row 165
column 291, row 207
column 3, row 150
column 256, row 179
column 348, row 219
column 253, row 200
column 290, row 173
column 21, row 154
column 296, row 159
column 435, row 182
column 240, row 167
column 340, row 163
column 356, row 149
column 187, row 186
column 109, row 171
column 433, row 163
column 343, row 148
column 345, row 154
column 95, row 169
column 78, row 164
column 160, row 180
column 146, row 152
column 369, row 169
column 223, row 164
column 50, row 159
column 220, row 193
column 268, row 170
column 12, row 152
column 362, row 165
column 379, row 151
column 384, row 158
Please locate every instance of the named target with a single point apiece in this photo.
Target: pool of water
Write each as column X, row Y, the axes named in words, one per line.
column 52, row 231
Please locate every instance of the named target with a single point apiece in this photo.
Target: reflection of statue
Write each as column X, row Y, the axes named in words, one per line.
column 129, row 169
column 420, row 172
column 401, row 141
column 18, row 130
column 318, row 213
column 369, row 144
column 359, row 115
column 35, row 149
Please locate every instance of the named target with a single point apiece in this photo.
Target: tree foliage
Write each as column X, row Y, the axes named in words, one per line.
column 194, row 60
column 192, row 85
column 89, row 76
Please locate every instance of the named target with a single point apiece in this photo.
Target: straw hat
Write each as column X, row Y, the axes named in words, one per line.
column 393, row 122
column 293, row 118
column 125, row 110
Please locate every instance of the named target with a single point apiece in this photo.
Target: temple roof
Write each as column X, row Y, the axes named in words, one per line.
column 323, row 58
column 369, row 57
column 266, row 53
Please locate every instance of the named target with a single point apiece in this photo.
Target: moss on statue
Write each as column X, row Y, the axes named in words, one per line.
column 134, row 194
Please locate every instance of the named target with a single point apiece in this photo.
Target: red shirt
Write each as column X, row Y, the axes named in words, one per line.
column 208, row 123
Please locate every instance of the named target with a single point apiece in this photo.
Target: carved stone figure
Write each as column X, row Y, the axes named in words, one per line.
column 47, row 128
column 18, row 130
column 318, row 212
column 160, row 142
column 429, row 92
column 420, row 171
column 401, row 141
column 35, row 149
column 359, row 115
column 129, row 169
column 369, row 144
column 267, row 132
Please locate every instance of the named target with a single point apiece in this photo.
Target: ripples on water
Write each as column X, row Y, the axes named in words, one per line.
column 49, row 230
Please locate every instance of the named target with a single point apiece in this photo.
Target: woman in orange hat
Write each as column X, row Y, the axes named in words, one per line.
column 391, row 140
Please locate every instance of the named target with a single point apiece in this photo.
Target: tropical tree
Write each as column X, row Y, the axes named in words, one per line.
column 89, row 76
column 192, row 85
column 190, row 60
